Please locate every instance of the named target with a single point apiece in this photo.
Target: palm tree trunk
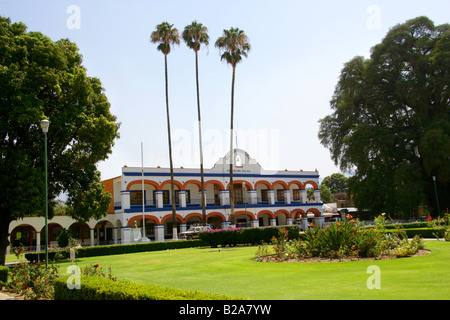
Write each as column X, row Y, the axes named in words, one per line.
column 174, row 214
column 202, row 180
column 231, row 147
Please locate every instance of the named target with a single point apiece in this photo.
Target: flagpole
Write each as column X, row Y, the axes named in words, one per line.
column 144, row 237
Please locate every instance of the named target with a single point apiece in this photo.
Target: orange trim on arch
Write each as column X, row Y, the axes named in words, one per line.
column 216, row 182
column 251, row 215
column 179, row 218
column 315, row 211
column 296, row 211
column 296, row 182
column 264, row 182
column 175, row 182
column 212, row 214
column 269, row 213
column 196, row 182
column 198, row 215
column 247, row 184
column 147, row 217
column 283, row 184
column 288, row 215
column 314, row 184
column 150, row 182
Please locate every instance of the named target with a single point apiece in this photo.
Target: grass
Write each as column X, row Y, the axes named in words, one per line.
column 232, row 272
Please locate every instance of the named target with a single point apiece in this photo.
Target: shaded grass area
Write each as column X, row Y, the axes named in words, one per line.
column 232, row 272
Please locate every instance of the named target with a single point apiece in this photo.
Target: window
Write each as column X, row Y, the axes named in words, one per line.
column 166, row 197
column 238, row 194
column 216, row 195
column 280, row 195
column 264, row 195
column 297, row 195
column 136, row 197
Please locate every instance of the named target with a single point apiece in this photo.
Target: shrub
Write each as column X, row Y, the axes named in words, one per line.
column 3, row 274
column 246, row 236
column 32, row 280
column 101, row 288
column 114, row 249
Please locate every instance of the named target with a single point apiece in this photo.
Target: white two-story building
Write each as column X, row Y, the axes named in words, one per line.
column 262, row 198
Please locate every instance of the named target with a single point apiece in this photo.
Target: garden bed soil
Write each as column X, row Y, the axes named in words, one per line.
column 272, row 258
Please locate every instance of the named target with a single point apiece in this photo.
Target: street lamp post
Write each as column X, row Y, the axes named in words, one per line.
column 44, row 126
column 435, row 192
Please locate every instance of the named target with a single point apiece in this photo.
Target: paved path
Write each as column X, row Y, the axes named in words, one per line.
column 4, row 296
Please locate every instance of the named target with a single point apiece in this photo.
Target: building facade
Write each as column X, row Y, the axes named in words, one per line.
column 142, row 196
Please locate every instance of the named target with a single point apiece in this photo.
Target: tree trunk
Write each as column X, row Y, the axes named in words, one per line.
column 5, row 220
column 174, row 213
column 202, row 180
column 231, row 147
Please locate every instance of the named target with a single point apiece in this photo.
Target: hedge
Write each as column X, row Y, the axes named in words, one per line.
column 100, row 288
column 4, row 274
column 114, row 249
column 421, row 232
column 246, row 236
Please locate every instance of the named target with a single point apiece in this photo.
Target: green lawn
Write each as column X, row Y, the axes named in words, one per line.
column 232, row 272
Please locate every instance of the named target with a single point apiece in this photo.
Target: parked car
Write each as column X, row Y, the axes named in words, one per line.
column 193, row 231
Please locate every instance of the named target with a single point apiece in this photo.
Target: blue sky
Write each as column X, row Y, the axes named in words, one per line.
column 282, row 89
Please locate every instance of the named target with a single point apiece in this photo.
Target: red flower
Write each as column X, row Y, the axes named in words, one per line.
column 96, row 266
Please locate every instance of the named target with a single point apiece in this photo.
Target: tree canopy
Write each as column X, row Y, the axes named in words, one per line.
column 391, row 120
column 45, row 79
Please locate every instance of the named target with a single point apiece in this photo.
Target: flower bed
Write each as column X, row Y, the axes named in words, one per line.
column 339, row 241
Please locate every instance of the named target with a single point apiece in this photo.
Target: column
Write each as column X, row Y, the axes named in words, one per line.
column 126, row 234
column 159, row 198
column 253, row 196
column 317, row 195
column 271, row 196
column 273, row 221
column 92, row 233
column 254, row 223
column 182, row 198
column 183, row 227
column 115, row 234
column 159, row 232
column 289, row 221
column 304, row 197
column 319, row 221
column 304, row 223
column 38, row 241
column 287, row 196
column 125, row 198
column 224, row 197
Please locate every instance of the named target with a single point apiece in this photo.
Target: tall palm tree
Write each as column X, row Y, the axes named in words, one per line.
column 195, row 35
column 233, row 44
column 166, row 35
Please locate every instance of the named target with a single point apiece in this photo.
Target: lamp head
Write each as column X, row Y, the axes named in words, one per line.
column 44, row 125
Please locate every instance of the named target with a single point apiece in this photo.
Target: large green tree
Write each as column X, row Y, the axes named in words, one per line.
column 391, row 120
column 195, row 35
column 166, row 36
column 41, row 78
column 234, row 45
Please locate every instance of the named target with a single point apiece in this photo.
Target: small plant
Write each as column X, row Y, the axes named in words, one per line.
column 263, row 252
column 97, row 271
column 32, row 280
